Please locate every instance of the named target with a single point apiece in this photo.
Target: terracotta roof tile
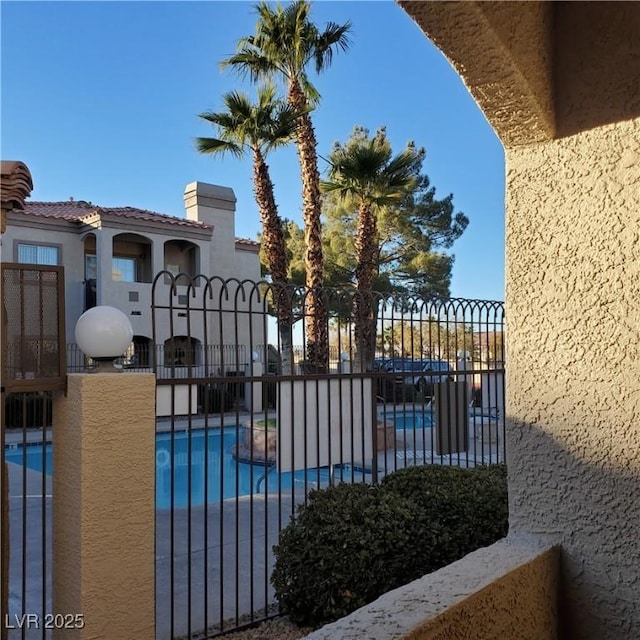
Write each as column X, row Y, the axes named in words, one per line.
column 16, row 183
column 79, row 210
column 247, row 243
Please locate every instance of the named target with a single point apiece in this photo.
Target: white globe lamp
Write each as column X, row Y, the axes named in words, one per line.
column 104, row 333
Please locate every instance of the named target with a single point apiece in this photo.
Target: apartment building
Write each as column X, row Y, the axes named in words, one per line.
column 111, row 256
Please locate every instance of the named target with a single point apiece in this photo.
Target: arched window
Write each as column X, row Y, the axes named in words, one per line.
column 131, row 258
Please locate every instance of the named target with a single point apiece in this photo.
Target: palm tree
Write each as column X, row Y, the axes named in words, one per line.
column 284, row 44
column 258, row 128
column 363, row 174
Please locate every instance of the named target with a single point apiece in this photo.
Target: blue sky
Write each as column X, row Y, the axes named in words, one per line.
column 101, row 100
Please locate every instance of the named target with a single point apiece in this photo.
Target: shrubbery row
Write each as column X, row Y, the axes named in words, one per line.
column 353, row 542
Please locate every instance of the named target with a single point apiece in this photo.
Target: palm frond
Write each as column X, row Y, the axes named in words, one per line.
column 250, row 62
column 217, row 146
column 284, row 42
column 334, row 36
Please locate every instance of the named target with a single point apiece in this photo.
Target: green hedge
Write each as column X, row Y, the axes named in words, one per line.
column 351, row 543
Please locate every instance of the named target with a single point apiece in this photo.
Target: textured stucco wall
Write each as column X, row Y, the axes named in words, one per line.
column 596, row 64
column 573, row 375
column 573, row 282
column 104, row 506
column 507, row 590
column 503, row 53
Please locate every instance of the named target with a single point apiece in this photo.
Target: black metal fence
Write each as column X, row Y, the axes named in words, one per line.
column 247, row 426
column 26, row 519
column 230, row 474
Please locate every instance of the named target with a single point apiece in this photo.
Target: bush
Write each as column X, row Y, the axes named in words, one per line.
column 470, row 505
column 342, row 550
column 352, row 543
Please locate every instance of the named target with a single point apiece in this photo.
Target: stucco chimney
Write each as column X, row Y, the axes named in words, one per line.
column 205, row 202
column 214, row 205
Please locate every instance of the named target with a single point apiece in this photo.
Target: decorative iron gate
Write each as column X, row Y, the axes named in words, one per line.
column 33, row 366
column 242, row 437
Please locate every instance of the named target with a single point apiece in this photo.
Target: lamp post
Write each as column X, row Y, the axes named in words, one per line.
column 104, row 334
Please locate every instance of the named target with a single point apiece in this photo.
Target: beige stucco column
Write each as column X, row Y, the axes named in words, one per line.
column 104, row 509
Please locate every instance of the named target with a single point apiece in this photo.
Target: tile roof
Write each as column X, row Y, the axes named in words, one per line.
column 247, row 243
column 79, row 210
column 16, row 183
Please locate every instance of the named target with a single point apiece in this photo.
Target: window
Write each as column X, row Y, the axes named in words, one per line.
column 37, row 254
column 90, row 266
column 124, row 269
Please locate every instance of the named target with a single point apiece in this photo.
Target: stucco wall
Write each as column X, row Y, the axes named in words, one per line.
column 573, row 374
column 503, row 53
column 104, row 507
column 505, row 591
column 573, row 280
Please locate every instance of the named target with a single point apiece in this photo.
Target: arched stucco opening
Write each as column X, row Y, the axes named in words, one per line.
column 181, row 256
column 559, row 83
column 131, row 258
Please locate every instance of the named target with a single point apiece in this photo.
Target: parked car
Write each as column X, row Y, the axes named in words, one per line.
column 429, row 372
column 410, row 372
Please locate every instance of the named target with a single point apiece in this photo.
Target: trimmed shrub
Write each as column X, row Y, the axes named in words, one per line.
column 351, row 543
column 470, row 506
column 343, row 549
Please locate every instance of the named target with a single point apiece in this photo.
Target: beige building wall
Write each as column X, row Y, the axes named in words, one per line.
column 218, row 254
column 573, row 373
column 560, row 83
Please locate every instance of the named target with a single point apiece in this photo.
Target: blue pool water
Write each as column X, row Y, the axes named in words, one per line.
column 31, row 455
column 212, row 475
column 207, row 463
column 204, row 467
column 410, row 420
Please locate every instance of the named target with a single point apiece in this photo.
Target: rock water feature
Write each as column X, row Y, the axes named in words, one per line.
column 257, row 442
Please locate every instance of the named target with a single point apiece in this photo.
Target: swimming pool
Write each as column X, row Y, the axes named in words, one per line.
column 409, row 420
column 203, row 468
column 32, row 456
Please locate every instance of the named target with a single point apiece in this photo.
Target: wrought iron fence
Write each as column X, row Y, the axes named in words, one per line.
column 26, row 519
column 146, row 357
column 230, row 474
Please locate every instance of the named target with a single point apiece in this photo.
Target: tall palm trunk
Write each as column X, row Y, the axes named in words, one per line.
column 366, row 249
column 273, row 242
column 317, row 335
